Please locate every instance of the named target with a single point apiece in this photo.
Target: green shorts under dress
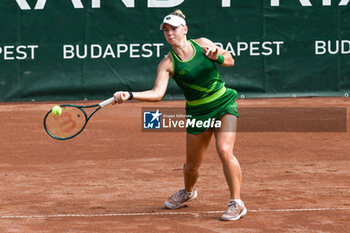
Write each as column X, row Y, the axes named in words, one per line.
column 225, row 104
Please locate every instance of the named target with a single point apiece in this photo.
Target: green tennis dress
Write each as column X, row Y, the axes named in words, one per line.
column 207, row 97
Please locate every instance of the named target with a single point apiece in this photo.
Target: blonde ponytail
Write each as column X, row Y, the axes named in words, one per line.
column 179, row 13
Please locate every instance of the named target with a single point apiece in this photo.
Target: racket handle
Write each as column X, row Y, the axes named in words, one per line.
column 106, row 102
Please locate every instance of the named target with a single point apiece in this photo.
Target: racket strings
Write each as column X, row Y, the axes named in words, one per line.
column 69, row 123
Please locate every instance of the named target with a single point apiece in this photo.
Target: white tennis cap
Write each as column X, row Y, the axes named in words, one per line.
column 173, row 20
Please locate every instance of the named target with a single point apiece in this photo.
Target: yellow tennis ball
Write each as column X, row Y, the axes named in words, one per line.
column 56, row 110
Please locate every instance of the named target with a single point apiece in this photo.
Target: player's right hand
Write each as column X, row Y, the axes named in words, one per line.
column 120, row 97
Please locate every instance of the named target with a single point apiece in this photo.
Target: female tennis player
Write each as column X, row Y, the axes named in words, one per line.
column 191, row 63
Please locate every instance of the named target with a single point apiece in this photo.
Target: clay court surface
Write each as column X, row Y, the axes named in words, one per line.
column 115, row 178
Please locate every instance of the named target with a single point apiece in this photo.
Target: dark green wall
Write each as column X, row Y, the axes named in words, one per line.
column 281, row 48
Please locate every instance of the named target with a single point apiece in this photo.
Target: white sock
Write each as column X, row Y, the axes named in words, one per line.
column 238, row 201
column 189, row 194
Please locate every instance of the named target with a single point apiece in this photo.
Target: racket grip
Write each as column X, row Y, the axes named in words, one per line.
column 106, row 102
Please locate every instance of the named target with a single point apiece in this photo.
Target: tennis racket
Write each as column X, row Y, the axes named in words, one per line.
column 72, row 120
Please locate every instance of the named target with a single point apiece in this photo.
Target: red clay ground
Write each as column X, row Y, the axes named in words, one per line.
column 114, row 177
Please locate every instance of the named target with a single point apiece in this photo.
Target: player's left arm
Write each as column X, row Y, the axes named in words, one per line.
column 212, row 51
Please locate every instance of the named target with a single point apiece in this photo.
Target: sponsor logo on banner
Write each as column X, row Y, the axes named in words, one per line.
column 332, row 47
column 78, row 4
column 308, row 2
column 253, row 48
column 18, row 52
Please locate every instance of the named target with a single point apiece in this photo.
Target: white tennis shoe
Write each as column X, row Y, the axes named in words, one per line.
column 179, row 198
column 234, row 211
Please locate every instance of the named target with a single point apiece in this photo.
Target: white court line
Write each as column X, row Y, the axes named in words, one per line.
column 95, row 215
column 162, row 213
column 285, row 210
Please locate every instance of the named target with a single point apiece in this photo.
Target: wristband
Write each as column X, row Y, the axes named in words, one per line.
column 131, row 95
column 220, row 59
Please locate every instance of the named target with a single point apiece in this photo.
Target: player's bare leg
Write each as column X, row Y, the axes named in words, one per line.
column 225, row 140
column 196, row 145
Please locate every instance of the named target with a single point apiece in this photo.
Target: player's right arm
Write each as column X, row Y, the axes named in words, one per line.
column 164, row 71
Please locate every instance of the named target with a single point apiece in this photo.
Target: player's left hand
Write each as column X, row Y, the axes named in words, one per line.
column 211, row 52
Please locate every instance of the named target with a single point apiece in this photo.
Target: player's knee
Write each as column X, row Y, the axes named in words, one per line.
column 225, row 153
